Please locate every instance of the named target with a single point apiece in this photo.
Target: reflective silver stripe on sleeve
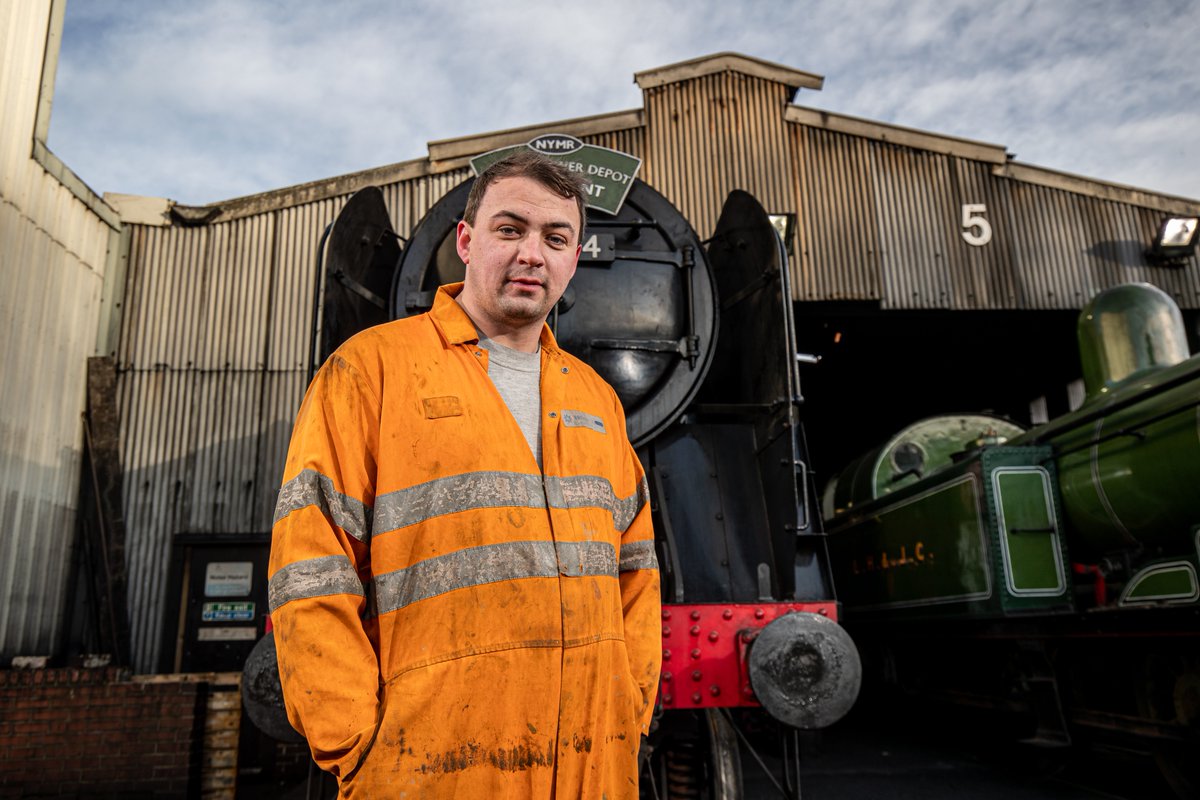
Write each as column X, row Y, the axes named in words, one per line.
column 313, row 577
column 311, row 488
column 477, row 566
column 628, row 508
column 472, row 490
column 592, row 491
column 638, row 555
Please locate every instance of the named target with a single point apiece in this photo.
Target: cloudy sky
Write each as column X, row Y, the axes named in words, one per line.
column 205, row 100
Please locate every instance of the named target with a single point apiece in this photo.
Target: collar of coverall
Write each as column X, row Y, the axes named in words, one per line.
column 457, row 327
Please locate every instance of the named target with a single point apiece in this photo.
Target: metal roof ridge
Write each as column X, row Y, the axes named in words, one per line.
column 897, row 134
column 1096, row 187
column 298, row 194
column 473, row 144
column 1003, row 163
column 728, row 62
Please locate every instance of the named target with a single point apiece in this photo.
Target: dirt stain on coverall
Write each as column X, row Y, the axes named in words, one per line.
column 470, row 754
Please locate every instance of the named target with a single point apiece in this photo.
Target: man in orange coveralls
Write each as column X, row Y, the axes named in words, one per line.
column 463, row 581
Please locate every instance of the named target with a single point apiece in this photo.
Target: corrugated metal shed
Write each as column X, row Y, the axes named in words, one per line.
column 716, row 124
column 53, row 250
column 882, row 208
column 215, row 341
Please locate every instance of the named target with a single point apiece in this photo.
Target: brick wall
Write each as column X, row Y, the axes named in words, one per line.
column 93, row 733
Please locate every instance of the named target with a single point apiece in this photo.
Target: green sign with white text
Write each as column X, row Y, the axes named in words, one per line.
column 609, row 173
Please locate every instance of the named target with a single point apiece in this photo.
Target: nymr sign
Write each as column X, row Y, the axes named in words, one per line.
column 609, row 173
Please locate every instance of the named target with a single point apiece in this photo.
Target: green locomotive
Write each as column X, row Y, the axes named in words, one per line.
column 1054, row 569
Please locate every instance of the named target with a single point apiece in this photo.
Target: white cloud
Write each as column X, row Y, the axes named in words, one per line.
column 205, row 101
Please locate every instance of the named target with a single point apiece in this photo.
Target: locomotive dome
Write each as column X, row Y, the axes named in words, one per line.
column 1126, row 332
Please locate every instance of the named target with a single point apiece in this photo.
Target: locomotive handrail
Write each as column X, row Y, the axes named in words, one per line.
column 341, row 277
column 800, row 468
column 616, row 223
column 1057, row 427
column 1130, row 431
column 312, row 343
column 765, row 277
column 689, row 262
column 669, row 537
column 686, row 347
column 653, row 256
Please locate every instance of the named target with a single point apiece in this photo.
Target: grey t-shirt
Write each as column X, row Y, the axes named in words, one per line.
column 517, row 377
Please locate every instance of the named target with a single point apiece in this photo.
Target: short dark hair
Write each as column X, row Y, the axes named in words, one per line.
column 526, row 163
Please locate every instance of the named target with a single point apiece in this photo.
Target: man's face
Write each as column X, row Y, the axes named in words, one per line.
column 520, row 254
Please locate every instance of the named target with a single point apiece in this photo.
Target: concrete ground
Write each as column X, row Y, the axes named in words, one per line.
column 910, row 754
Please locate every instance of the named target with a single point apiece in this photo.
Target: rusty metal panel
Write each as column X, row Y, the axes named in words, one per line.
column 293, row 282
column 1069, row 247
column 409, row 201
column 203, row 453
column 236, row 280
column 709, row 136
column 156, row 417
column 53, row 251
column 160, row 327
column 982, row 276
column 836, row 254
column 630, row 140
column 914, row 193
column 224, row 451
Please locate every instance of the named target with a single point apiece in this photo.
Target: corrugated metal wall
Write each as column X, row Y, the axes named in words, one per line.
column 630, row 140
column 716, row 133
column 1068, row 247
column 52, row 261
column 881, row 221
column 837, row 253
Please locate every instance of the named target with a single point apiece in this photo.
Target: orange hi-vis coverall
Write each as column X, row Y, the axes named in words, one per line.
column 450, row 620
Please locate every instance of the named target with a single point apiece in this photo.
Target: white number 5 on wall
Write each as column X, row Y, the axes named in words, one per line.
column 976, row 231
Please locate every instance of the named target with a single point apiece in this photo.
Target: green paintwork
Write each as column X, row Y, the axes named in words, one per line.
column 1171, row 581
column 1126, row 332
column 1129, row 478
column 919, row 548
column 1121, row 490
column 1129, row 458
column 609, row 173
column 941, row 440
column 971, row 559
column 1028, row 531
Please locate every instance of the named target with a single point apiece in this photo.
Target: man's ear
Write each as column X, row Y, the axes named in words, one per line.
column 462, row 241
column 575, row 263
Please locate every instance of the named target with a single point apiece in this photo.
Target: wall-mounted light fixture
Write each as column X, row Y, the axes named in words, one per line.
column 785, row 224
column 1176, row 240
